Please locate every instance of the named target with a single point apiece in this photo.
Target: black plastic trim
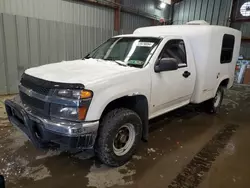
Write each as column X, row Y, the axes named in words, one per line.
column 50, row 84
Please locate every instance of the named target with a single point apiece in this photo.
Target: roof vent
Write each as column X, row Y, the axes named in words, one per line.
column 198, row 22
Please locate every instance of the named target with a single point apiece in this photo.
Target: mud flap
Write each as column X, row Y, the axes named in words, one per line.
column 141, row 108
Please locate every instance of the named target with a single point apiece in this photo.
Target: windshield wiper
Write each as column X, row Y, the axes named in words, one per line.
column 117, row 61
column 120, row 63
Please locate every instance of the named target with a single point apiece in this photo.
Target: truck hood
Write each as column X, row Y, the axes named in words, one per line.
column 89, row 71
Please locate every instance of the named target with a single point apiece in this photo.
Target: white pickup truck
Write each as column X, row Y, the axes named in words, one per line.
column 104, row 101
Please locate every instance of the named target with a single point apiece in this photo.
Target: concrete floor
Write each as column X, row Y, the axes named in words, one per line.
column 186, row 148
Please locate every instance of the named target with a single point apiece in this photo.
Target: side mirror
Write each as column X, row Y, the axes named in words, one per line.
column 2, row 182
column 166, row 64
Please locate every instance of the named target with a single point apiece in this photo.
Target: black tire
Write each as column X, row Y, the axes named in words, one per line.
column 109, row 127
column 213, row 105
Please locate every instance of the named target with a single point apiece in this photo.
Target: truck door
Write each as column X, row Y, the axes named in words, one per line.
column 173, row 89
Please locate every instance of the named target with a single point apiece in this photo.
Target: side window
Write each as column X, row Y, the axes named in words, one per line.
column 175, row 49
column 227, row 48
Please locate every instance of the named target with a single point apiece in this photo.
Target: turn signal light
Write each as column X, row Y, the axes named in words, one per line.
column 82, row 112
column 85, row 94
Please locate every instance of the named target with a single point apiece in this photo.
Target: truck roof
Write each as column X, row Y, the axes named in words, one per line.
column 182, row 30
column 139, row 35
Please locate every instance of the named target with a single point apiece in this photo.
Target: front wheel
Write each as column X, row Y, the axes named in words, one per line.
column 119, row 135
column 213, row 105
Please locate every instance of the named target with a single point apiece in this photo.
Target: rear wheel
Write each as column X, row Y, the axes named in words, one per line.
column 119, row 135
column 213, row 105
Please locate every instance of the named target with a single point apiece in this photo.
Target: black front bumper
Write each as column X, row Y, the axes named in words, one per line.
column 44, row 133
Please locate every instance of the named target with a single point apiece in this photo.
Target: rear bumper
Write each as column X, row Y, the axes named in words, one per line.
column 43, row 131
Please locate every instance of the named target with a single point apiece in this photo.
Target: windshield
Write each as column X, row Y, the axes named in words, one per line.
column 130, row 51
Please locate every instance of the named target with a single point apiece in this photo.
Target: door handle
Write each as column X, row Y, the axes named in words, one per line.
column 186, row 74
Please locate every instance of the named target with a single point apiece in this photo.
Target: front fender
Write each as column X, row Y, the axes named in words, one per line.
column 103, row 98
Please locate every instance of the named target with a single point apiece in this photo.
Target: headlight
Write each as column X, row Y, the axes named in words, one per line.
column 73, row 94
column 69, row 113
column 74, row 113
